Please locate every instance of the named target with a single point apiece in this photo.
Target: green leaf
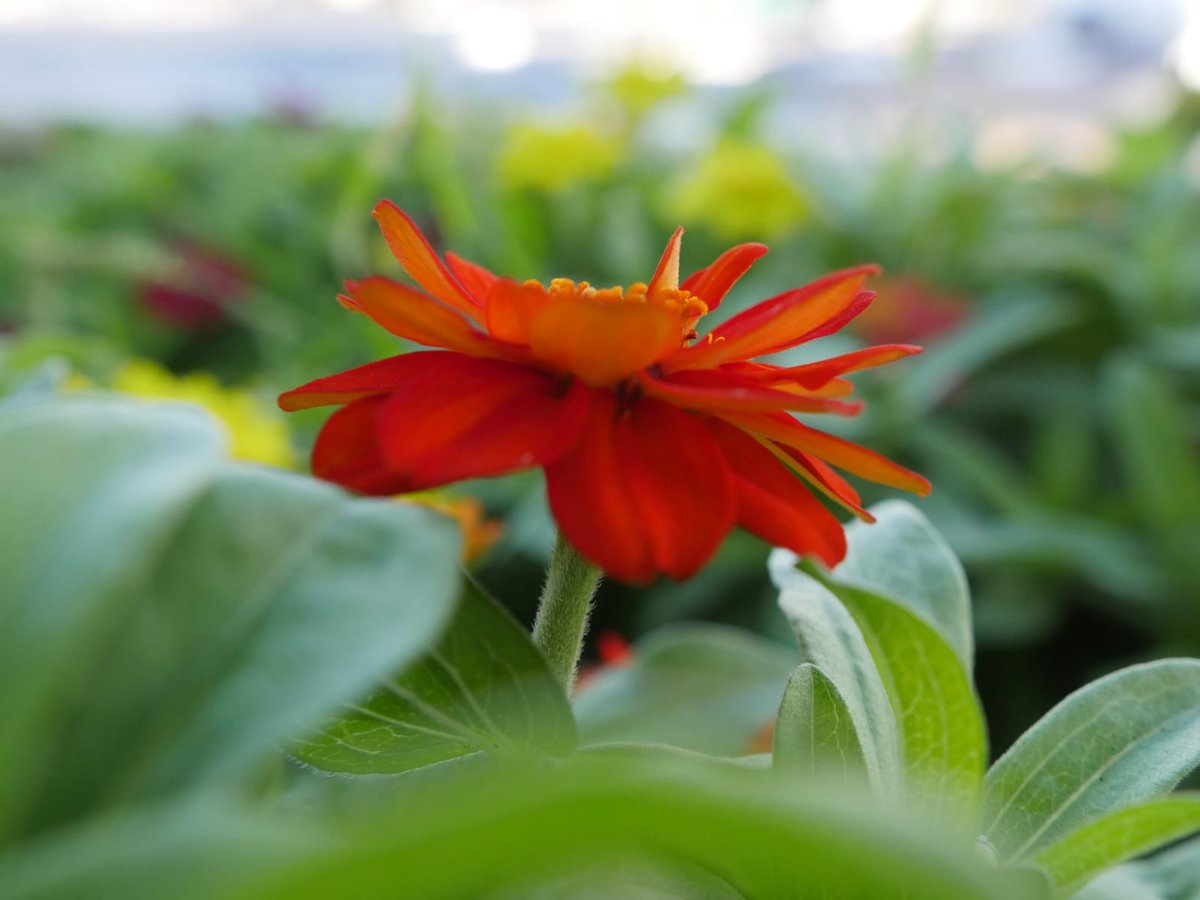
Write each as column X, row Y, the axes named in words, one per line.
column 814, row 733
column 1123, row 883
column 831, row 641
column 169, row 619
column 707, row 688
column 1102, row 843
column 766, row 835
column 1128, row 737
column 1175, row 872
column 902, row 557
column 484, row 687
column 907, row 596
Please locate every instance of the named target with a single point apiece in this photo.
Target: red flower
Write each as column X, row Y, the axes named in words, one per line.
column 202, row 284
column 655, row 441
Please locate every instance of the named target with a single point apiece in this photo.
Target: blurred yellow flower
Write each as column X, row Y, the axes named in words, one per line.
column 638, row 87
column 548, row 159
column 478, row 532
column 257, row 433
column 740, row 190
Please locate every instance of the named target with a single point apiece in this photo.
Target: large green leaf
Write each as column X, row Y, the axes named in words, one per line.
column 708, row 688
column 765, row 834
column 902, row 558
column 906, row 594
column 831, row 641
column 170, row 619
column 1128, row 737
column 1102, row 843
column 814, row 733
column 484, row 687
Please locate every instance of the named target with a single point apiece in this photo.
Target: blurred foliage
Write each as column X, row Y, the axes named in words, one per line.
column 1056, row 409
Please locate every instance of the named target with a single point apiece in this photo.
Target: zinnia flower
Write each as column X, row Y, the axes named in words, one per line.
column 655, row 440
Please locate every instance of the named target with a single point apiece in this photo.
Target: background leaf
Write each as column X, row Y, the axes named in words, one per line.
column 707, row 688
column 484, row 687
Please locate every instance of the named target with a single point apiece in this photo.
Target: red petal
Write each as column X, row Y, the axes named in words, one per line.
column 773, row 503
column 713, row 389
column 347, row 453
column 666, row 274
column 416, row 255
column 816, row 374
column 643, row 490
column 475, row 418
column 409, row 314
column 783, row 321
column 474, row 277
column 785, row 430
column 713, row 282
column 363, row 381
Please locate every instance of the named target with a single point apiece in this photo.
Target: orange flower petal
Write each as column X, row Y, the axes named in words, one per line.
column 476, row 418
column 714, row 390
column 418, row 259
column 666, row 273
column 363, row 381
column 474, row 277
column 409, row 314
column 643, row 490
column 853, row 458
column 511, row 308
column 713, row 282
column 773, row 503
column 783, row 321
column 821, row 478
column 816, row 374
column 347, row 453
column 603, row 343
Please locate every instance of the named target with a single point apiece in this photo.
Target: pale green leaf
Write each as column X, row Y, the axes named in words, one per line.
column 1129, row 832
column 1128, row 737
column 709, row 688
column 903, row 558
column 484, row 687
column 171, row 618
column 814, row 733
column 830, row 639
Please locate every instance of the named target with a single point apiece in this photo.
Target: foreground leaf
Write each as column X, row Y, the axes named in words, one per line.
column 204, row 613
column 484, row 687
column 1128, row 737
column 708, row 688
column 1118, row 836
column 766, row 835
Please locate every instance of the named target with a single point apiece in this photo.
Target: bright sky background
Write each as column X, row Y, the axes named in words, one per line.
column 712, row 40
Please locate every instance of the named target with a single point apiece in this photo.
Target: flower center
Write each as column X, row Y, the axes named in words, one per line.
column 688, row 306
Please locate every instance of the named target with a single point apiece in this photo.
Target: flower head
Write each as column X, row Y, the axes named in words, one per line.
column 656, row 438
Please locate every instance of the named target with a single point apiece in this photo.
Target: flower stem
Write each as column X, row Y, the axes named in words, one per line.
column 563, row 609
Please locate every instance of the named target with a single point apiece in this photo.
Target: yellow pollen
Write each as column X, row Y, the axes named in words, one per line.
column 688, row 306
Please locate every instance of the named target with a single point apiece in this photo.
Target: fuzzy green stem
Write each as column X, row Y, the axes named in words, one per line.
column 563, row 609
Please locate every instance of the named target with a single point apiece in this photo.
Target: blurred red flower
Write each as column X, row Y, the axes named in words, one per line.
column 915, row 311
column 655, row 441
column 197, row 291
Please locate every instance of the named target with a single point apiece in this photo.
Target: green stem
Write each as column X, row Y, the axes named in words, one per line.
column 562, row 615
